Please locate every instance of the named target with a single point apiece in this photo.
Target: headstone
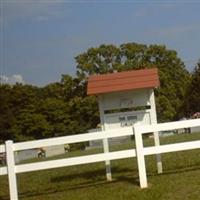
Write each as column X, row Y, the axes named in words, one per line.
column 54, row 150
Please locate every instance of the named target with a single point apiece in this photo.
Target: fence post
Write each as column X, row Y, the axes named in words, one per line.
column 140, row 157
column 11, row 170
column 107, row 162
column 155, row 134
column 105, row 140
column 158, row 156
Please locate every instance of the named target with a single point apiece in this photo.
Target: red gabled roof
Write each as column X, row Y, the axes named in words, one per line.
column 122, row 81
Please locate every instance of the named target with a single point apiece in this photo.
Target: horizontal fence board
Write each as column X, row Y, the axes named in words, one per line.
column 73, row 139
column 2, row 148
column 171, row 148
column 168, row 126
column 75, row 161
column 3, row 171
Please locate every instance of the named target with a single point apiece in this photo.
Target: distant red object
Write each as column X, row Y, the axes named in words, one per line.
column 196, row 115
column 123, row 81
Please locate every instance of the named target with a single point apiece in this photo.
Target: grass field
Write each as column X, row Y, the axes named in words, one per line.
column 180, row 180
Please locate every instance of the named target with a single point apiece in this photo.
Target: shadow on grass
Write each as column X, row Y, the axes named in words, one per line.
column 92, row 178
column 178, row 170
column 89, row 184
column 94, row 175
column 99, row 180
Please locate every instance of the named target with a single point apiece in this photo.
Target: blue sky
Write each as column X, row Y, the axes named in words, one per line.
column 40, row 38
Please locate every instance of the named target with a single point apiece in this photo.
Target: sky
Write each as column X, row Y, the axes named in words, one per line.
column 40, row 38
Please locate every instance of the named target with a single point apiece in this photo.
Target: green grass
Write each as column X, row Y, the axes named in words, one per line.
column 180, row 180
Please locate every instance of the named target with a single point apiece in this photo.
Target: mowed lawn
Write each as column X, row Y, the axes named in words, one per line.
column 180, row 180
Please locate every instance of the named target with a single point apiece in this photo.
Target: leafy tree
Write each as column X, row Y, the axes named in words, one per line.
column 72, row 87
column 22, row 96
column 31, row 126
column 174, row 78
column 103, row 59
column 192, row 102
column 63, row 108
column 7, row 116
column 56, row 113
column 84, row 113
column 52, row 90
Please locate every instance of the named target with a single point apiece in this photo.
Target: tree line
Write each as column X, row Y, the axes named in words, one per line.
column 63, row 108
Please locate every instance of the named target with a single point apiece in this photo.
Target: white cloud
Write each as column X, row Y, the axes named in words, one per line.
column 4, row 79
column 15, row 78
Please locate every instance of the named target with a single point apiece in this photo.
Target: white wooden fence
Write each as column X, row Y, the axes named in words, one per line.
column 140, row 152
column 144, row 151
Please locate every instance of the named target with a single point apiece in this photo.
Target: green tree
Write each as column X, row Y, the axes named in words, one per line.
column 52, row 90
column 63, row 108
column 192, row 100
column 174, row 78
column 31, row 126
column 22, row 96
column 72, row 87
column 56, row 112
column 84, row 113
column 7, row 116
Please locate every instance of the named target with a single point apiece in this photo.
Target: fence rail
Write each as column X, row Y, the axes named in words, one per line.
column 171, row 148
column 140, row 152
column 144, row 151
column 168, row 126
column 73, row 139
column 75, row 161
column 2, row 148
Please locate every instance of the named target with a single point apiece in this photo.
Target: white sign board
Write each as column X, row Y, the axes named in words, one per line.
column 122, row 109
